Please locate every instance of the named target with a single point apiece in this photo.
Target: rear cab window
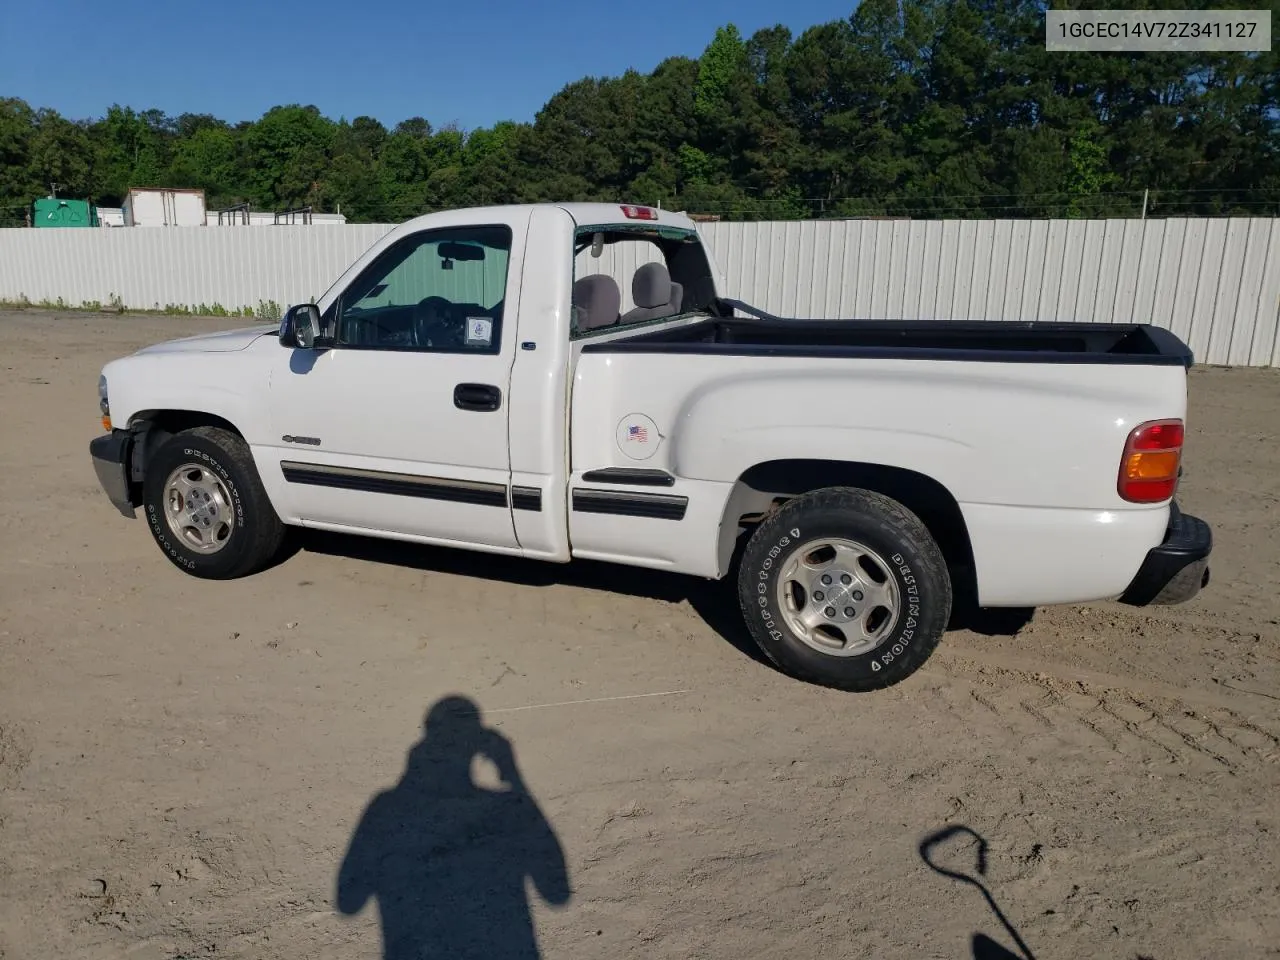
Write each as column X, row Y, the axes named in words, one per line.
column 628, row 276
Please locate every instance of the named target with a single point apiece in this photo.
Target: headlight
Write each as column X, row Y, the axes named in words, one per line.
column 103, row 405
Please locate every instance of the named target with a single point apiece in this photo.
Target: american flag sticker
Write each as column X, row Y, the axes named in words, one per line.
column 637, row 433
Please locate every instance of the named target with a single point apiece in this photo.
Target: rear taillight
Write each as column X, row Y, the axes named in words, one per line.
column 1152, row 456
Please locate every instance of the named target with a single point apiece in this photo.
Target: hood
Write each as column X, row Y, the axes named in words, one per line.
column 227, row 341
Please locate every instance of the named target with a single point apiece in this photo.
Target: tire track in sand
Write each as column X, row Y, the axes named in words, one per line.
column 1148, row 728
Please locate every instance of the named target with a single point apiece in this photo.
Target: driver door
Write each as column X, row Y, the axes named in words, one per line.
column 401, row 426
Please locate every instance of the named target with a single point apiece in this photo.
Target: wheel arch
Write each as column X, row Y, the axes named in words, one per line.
column 763, row 487
column 174, row 421
column 151, row 428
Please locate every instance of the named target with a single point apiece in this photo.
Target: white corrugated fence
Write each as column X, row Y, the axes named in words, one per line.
column 1213, row 281
column 187, row 267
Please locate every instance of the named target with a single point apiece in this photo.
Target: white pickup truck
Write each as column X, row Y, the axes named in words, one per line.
column 566, row 381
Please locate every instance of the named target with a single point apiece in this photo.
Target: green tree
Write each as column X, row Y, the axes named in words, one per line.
column 62, row 153
column 286, row 153
column 1091, row 172
column 209, row 159
column 19, row 184
column 719, row 70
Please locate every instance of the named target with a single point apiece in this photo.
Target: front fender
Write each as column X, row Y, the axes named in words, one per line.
column 228, row 386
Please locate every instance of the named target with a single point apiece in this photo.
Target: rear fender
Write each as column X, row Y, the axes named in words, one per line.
column 726, row 430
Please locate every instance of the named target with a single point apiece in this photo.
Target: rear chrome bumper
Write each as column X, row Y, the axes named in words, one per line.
column 110, row 454
column 1177, row 569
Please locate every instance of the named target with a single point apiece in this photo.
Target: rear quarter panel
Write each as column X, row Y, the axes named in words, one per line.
column 1030, row 451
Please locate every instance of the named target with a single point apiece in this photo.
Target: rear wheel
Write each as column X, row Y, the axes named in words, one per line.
column 206, row 506
column 845, row 588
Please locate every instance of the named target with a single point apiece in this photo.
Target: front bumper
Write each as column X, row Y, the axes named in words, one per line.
column 1177, row 569
column 111, row 454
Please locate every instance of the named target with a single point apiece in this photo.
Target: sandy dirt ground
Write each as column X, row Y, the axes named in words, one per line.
column 185, row 767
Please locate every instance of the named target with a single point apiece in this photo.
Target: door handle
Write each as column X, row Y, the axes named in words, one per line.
column 482, row 397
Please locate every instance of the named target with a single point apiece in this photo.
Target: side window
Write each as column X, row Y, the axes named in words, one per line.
column 441, row 291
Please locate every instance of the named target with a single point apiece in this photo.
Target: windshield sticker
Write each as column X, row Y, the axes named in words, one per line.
column 479, row 331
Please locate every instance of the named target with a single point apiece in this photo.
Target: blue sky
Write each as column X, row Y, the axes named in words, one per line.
column 470, row 61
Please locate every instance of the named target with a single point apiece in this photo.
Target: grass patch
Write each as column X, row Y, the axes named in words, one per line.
column 265, row 310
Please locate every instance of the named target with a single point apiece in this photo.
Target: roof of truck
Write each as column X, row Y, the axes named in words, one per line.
column 583, row 214
column 592, row 213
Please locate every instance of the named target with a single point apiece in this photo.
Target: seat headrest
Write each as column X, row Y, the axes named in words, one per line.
column 598, row 300
column 651, row 286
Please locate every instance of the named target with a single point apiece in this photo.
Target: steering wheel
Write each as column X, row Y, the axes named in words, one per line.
column 364, row 330
column 433, row 322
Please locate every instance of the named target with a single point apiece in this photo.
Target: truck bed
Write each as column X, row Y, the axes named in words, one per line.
column 960, row 340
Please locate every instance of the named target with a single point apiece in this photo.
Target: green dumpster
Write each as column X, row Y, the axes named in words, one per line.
column 55, row 212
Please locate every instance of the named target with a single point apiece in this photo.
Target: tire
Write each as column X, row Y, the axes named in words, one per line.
column 240, row 528
column 890, row 590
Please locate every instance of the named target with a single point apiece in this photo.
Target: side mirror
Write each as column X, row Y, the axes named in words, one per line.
column 301, row 327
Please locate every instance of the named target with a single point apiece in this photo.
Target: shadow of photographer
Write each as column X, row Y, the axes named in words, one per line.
column 446, row 859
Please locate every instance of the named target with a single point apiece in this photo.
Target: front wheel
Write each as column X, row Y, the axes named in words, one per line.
column 845, row 588
column 207, row 508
